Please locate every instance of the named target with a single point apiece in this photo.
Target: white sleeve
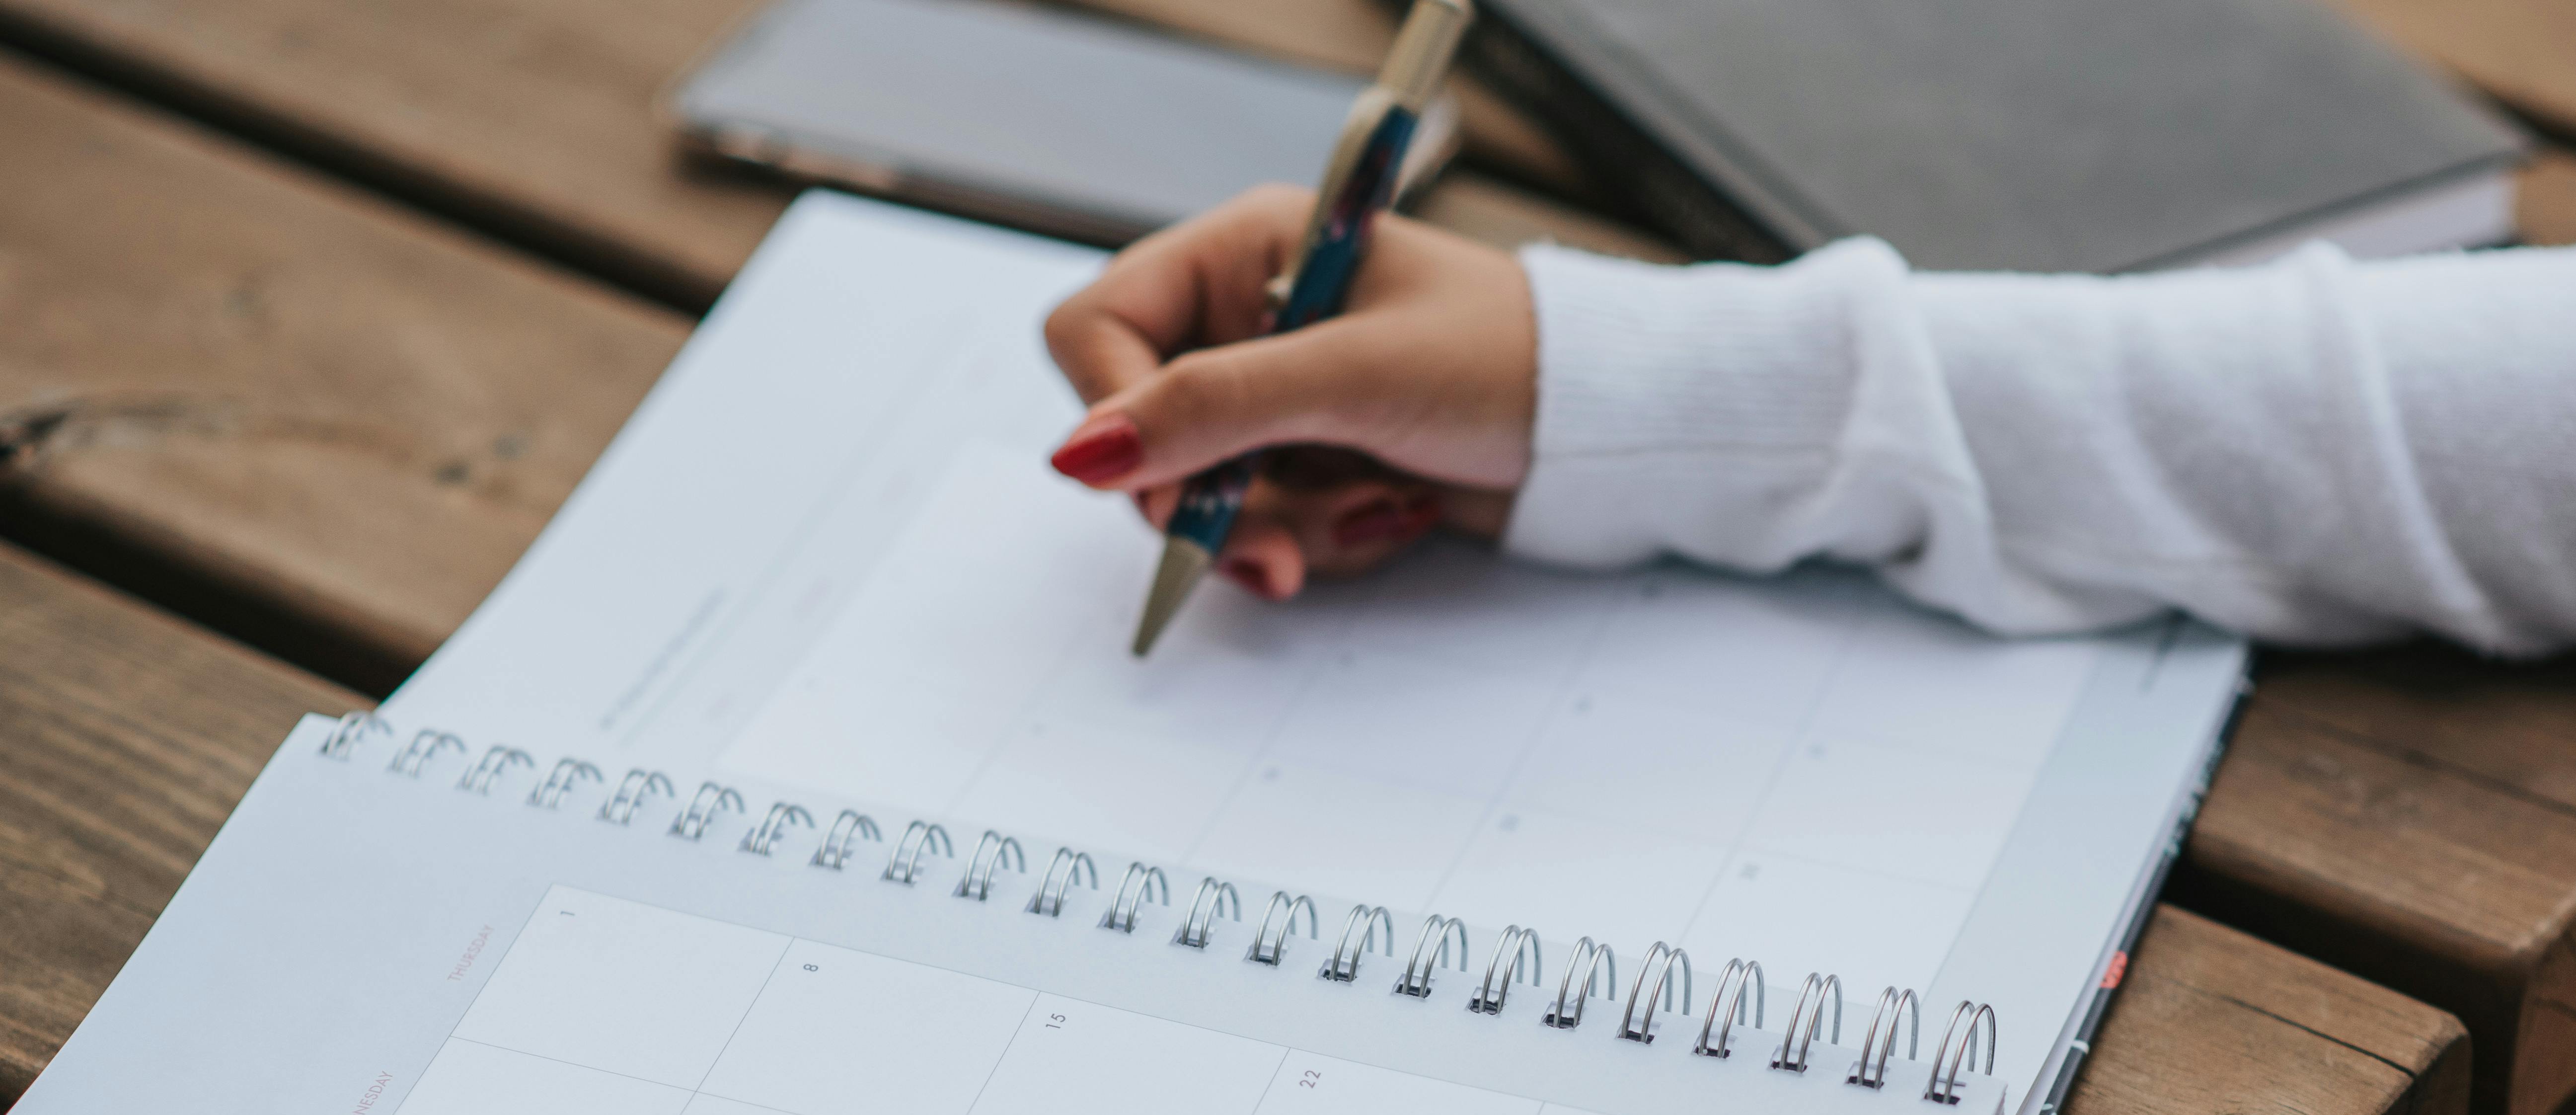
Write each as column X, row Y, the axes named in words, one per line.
column 2312, row 451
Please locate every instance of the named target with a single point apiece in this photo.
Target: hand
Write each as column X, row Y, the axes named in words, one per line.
column 1410, row 410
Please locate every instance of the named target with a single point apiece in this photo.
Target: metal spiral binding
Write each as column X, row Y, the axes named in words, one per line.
column 1416, row 980
column 1944, row 1085
column 1803, row 1021
column 1515, row 948
column 1344, row 965
column 846, row 831
column 496, row 758
column 1726, row 1007
column 352, row 730
column 710, row 800
column 560, row 781
column 1212, row 897
column 1639, row 1026
column 425, row 745
column 978, row 883
column 1517, row 944
column 781, row 814
column 1270, row 950
column 638, row 784
column 1890, row 1003
column 1122, row 909
column 1588, row 959
column 1049, row 899
column 905, row 864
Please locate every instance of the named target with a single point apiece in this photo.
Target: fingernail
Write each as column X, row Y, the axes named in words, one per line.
column 1382, row 520
column 1101, row 450
column 1249, row 574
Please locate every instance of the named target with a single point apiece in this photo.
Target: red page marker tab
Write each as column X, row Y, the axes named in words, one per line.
column 2112, row 972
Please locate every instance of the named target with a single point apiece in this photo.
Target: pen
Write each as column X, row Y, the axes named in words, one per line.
column 1358, row 183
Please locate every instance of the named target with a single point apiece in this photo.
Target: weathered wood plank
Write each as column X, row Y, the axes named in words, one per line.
column 2410, row 815
column 125, row 738
column 2210, row 1019
column 272, row 397
column 534, row 118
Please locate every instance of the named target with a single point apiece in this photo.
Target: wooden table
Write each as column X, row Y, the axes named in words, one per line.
column 317, row 385
column 125, row 736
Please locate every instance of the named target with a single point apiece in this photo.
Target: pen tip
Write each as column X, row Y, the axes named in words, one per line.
column 1184, row 562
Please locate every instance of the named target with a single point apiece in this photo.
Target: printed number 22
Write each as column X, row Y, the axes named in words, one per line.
column 1312, row 1078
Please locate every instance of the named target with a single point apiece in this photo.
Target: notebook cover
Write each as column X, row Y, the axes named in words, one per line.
column 2095, row 135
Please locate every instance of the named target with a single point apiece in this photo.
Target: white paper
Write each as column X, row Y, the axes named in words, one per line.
column 827, row 557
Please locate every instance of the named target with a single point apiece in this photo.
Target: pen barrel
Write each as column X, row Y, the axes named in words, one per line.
column 1423, row 47
column 1338, row 236
column 1210, row 500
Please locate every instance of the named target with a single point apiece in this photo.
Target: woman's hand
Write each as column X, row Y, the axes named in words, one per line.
column 1409, row 410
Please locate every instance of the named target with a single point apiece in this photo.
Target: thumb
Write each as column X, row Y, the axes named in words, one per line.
column 1216, row 403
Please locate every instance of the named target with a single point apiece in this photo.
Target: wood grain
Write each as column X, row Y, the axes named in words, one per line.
column 269, row 398
column 2410, row 815
column 301, row 414
column 2210, row 1019
column 125, row 738
column 535, row 119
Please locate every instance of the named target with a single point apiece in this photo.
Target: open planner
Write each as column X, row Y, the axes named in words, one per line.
column 800, row 767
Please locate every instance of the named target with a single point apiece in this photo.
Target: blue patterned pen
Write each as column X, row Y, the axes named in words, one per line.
column 1358, row 184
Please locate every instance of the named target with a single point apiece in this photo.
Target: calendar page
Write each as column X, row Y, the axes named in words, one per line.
column 397, row 927
column 827, row 558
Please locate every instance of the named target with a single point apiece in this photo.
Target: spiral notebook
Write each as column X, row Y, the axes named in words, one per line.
column 799, row 767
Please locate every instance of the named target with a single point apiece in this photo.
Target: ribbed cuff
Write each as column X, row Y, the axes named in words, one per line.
column 1671, row 395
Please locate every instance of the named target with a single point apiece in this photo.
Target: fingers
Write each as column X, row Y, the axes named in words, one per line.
column 1213, row 404
column 1195, row 284
column 1286, row 536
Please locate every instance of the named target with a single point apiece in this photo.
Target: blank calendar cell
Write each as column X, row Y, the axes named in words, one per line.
column 1452, row 603
column 470, row 1078
column 1797, row 917
column 1679, row 772
column 1632, row 892
column 1927, row 817
column 838, row 1029
column 1921, row 681
column 1313, row 1084
column 1077, row 1058
column 614, row 985
column 1781, row 645
column 1368, row 715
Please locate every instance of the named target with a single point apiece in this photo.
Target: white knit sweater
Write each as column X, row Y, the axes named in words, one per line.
column 2313, row 451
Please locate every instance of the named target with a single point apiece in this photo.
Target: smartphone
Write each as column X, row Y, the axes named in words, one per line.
column 1050, row 121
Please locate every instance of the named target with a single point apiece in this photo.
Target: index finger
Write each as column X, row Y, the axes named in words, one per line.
column 1196, row 284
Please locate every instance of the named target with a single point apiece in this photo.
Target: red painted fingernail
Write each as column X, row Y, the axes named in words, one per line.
column 1249, row 574
column 1102, row 450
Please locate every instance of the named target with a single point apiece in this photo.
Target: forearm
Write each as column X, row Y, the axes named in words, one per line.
column 2314, row 451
